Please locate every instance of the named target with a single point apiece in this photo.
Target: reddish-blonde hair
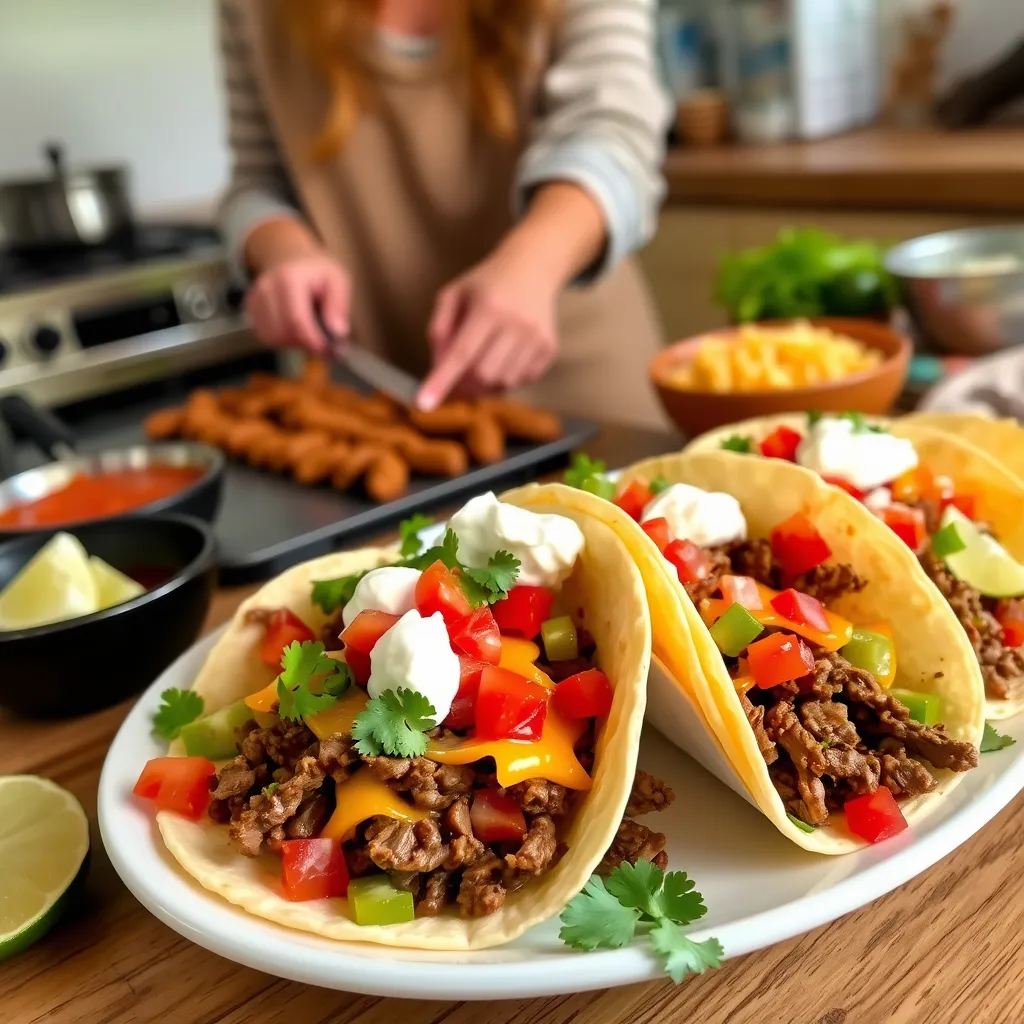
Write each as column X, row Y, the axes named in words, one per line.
column 488, row 44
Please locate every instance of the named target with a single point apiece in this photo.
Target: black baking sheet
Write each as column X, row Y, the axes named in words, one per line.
column 267, row 522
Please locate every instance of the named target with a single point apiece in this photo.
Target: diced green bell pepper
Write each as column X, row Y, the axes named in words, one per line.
column 659, row 484
column 737, row 443
column 559, row 636
column 947, row 541
column 374, row 901
column 925, row 708
column 735, row 629
column 869, row 651
column 213, row 736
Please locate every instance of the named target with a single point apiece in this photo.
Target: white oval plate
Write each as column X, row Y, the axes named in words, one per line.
column 758, row 887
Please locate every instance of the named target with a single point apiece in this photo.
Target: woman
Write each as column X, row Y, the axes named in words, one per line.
column 376, row 145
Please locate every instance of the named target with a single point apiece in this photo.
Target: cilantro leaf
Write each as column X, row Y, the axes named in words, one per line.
column 679, row 900
column 330, row 595
column 992, row 740
column 447, row 552
column 498, row 578
column 595, row 919
column 683, row 956
column 659, row 484
column 737, row 443
column 395, row 723
column 409, row 530
column 271, row 789
column 299, row 664
column 800, row 824
column 339, row 683
column 177, row 709
column 637, row 885
column 813, row 416
column 856, row 419
column 581, row 468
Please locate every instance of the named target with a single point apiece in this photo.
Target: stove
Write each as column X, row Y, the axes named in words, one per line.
column 76, row 323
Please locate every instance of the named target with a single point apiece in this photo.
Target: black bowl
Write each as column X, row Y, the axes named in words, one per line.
column 80, row 665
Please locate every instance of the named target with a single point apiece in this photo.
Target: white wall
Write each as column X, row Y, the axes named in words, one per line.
column 131, row 81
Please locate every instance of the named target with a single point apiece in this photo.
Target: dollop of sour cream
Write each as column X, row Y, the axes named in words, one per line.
column 392, row 589
column 866, row 459
column 707, row 518
column 547, row 546
column 416, row 654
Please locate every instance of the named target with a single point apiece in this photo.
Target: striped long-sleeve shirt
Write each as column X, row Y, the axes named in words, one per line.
column 602, row 124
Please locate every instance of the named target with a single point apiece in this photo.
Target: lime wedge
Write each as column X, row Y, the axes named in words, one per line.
column 56, row 584
column 983, row 562
column 112, row 586
column 44, row 845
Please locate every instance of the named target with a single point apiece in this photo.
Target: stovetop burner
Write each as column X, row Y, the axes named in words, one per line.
column 28, row 268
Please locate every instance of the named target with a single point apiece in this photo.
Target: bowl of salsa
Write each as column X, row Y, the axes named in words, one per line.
column 141, row 480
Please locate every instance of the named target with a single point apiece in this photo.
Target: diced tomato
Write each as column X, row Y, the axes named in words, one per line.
column 496, row 818
column 509, row 706
column 874, row 816
column 798, row 546
column 178, row 784
column 478, row 637
column 313, row 869
column 741, row 590
column 283, row 629
column 915, row 483
column 438, row 590
column 801, row 608
column 523, row 611
column 781, row 443
column 966, row 503
column 779, row 658
column 907, row 523
column 845, row 485
column 462, row 715
column 359, row 638
column 586, row 694
column 634, row 498
column 691, row 562
column 1013, row 632
column 366, row 629
column 658, row 531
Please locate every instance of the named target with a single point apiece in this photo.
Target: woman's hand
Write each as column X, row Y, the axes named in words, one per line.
column 493, row 329
column 296, row 280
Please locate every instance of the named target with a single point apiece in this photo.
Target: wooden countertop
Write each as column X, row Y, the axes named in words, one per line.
column 947, row 946
column 979, row 171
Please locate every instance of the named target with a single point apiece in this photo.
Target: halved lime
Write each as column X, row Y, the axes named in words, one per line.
column 983, row 562
column 44, row 843
column 112, row 586
column 56, row 584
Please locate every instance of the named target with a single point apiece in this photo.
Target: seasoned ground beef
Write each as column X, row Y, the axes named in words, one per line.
column 828, row 583
column 431, row 786
column 649, row 794
column 435, row 893
column 754, row 558
column 755, row 716
column 538, row 847
column 634, row 842
column 338, row 757
column 1002, row 667
column 401, row 846
column 481, row 891
column 236, row 779
column 310, row 818
column 283, row 743
column 538, row 796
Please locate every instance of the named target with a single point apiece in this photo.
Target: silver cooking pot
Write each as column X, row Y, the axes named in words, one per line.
column 68, row 208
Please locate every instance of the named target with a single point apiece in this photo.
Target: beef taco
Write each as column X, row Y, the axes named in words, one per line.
column 1002, row 439
column 432, row 749
column 960, row 510
column 810, row 665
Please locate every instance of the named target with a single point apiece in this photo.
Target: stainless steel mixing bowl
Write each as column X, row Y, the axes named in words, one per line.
column 964, row 290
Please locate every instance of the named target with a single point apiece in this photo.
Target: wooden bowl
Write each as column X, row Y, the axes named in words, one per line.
column 871, row 391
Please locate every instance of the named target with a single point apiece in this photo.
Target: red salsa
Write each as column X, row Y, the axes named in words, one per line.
column 105, row 494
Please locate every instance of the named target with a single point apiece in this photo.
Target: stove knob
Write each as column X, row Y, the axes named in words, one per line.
column 45, row 340
column 235, row 297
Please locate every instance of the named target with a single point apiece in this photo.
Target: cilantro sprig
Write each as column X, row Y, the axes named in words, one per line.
column 481, row 584
column 300, row 664
column 860, row 424
column 177, row 709
column 394, row 723
column 992, row 740
column 608, row 913
column 737, row 443
column 587, row 474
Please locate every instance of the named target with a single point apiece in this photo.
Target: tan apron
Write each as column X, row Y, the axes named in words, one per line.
column 419, row 194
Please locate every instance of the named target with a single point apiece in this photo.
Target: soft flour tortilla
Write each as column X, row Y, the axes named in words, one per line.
column 691, row 698
column 1003, row 439
column 608, row 587
column 999, row 492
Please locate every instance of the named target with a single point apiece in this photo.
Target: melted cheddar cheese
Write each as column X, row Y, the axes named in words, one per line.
column 519, row 656
column 365, row 796
column 839, row 629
